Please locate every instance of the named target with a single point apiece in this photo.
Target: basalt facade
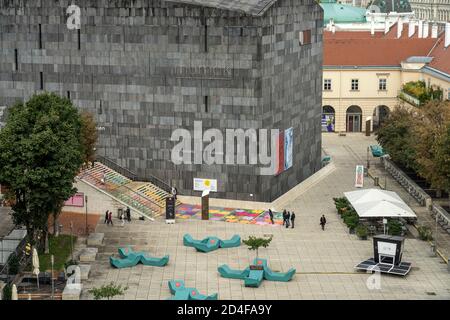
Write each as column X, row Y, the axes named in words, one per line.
column 145, row 68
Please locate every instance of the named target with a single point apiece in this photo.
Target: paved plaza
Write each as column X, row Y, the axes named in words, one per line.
column 324, row 260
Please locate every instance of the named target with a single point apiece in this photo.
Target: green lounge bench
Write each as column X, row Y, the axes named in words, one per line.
column 155, row 262
column 131, row 261
column 180, row 292
column 226, row 272
column 279, row 276
column 254, row 278
column 235, row 241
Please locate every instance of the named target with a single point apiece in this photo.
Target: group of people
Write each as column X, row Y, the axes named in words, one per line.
column 124, row 216
column 288, row 218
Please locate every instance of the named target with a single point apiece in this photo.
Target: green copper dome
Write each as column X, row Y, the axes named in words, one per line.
column 341, row 13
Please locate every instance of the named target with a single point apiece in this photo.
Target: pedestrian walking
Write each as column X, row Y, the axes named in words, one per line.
column 293, row 219
column 106, row 216
column 271, row 216
column 110, row 219
column 323, row 221
column 284, row 216
column 174, row 193
column 103, row 179
column 122, row 218
column 288, row 218
column 128, row 211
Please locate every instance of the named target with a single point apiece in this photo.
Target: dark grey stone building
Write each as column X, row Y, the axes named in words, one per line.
column 148, row 67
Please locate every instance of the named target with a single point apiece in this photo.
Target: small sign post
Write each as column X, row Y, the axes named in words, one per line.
column 205, row 205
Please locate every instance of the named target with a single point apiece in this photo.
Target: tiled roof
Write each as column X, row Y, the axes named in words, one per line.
column 252, row 7
column 373, row 51
column 441, row 57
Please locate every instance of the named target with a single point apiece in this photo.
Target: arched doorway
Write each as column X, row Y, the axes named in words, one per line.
column 380, row 114
column 328, row 119
column 354, row 119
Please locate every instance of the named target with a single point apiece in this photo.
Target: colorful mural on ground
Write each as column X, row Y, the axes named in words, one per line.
column 244, row 216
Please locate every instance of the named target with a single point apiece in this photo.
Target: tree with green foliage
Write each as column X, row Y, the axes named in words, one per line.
column 108, row 291
column 89, row 136
column 40, row 155
column 432, row 144
column 254, row 243
column 397, row 137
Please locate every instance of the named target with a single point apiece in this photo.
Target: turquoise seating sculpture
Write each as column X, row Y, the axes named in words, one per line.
column 377, row 151
column 180, row 292
column 130, row 261
column 209, row 244
column 254, row 274
column 130, row 258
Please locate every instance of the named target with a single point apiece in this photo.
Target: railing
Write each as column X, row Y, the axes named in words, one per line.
column 23, row 259
column 413, row 189
column 133, row 176
column 116, row 190
column 442, row 217
column 408, row 98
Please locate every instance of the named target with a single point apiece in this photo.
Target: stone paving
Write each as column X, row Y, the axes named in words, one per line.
column 324, row 259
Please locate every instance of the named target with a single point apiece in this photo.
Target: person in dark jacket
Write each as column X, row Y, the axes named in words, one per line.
column 107, row 216
column 128, row 211
column 288, row 218
column 284, row 216
column 293, row 219
column 323, row 221
column 271, row 216
column 110, row 221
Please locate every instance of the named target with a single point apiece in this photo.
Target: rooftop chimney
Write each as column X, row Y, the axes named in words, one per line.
column 411, row 28
column 333, row 28
column 399, row 28
column 420, row 32
column 447, row 34
column 372, row 26
column 425, row 29
column 434, row 31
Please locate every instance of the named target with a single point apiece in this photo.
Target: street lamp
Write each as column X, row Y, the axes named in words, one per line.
column 86, row 205
column 53, row 283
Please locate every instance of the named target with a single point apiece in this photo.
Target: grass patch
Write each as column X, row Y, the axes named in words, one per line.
column 60, row 247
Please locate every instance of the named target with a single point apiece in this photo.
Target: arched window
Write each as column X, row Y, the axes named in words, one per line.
column 328, row 119
column 354, row 119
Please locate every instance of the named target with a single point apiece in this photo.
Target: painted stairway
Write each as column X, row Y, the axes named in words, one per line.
column 144, row 197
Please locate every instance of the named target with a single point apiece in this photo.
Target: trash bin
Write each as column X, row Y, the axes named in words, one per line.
column 119, row 213
column 376, row 181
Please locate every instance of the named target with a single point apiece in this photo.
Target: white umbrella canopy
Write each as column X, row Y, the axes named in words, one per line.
column 36, row 265
column 383, row 208
column 369, row 195
column 35, row 262
column 14, row 295
column 374, row 203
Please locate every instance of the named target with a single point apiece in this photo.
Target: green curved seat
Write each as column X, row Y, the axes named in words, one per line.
column 175, row 285
column 260, row 262
column 254, row 278
column 279, row 276
column 180, row 292
column 130, row 261
column 235, row 241
column 188, row 241
column 125, row 251
column 226, row 272
column 155, row 262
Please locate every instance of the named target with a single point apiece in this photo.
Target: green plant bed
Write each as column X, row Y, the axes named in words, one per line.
column 362, row 232
column 60, row 247
column 394, row 227
column 425, row 233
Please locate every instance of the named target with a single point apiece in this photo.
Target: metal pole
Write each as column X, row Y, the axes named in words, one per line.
column 71, row 238
column 53, row 285
column 86, row 204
